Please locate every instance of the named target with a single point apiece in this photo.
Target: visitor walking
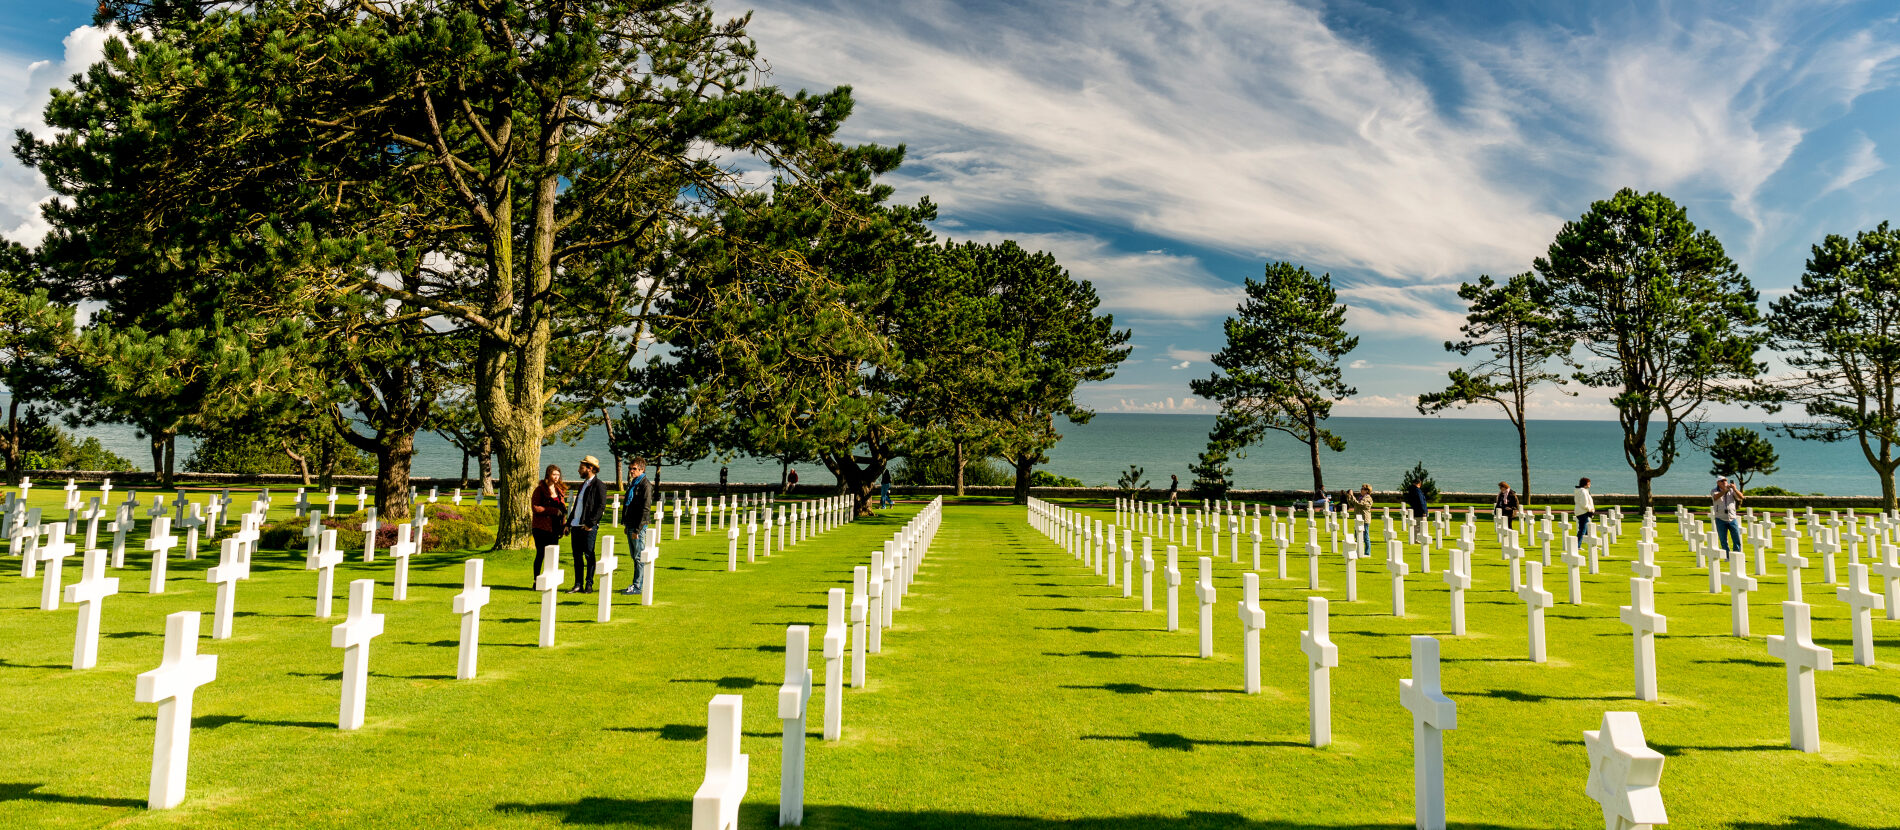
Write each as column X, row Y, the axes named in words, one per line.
column 634, row 518
column 791, row 481
column 884, row 489
column 1174, row 491
column 722, row 481
column 1724, row 500
column 549, row 503
column 1586, row 509
column 1507, row 504
column 1417, row 502
column 583, row 525
column 1360, row 503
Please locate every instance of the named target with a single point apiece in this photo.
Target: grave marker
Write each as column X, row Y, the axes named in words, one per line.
column 1252, row 619
column 1625, row 774
column 90, row 592
column 469, row 604
column 794, row 698
column 323, row 559
column 1861, row 604
column 1204, row 591
column 1321, row 655
column 1640, row 615
column 1795, row 647
column 172, row 686
column 353, row 636
column 716, row 802
column 1536, row 599
column 232, row 566
column 1432, row 714
column 547, row 583
column 836, row 635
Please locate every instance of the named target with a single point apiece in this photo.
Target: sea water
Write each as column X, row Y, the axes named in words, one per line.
column 1463, row 455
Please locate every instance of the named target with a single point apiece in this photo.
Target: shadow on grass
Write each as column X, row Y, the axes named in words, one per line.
column 1170, row 740
column 30, row 792
column 1104, row 655
column 721, row 682
column 1140, row 689
column 629, row 812
column 1744, row 661
column 694, row 733
column 1516, row 696
column 1087, row 629
column 219, row 721
column 9, row 664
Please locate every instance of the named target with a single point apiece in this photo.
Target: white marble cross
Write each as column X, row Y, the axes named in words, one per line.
column 323, row 558
column 1536, row 599
column 90, row 592
column 794, row 698
column 172, row 686
column 860, row 610
column 547, row 583
column 1147, row 573
column 732, row 548
column 1252, row 619
column 404, row 548
column 1458, row 580
column 369, row 528
column 160, row 542
column 1796, row 648
column 1887, row 565
column 1173, row 574
column 1640, row 615
column 604, row 567
column 52, row 554
column 716, row 802
column 1645, row 565
column 362, row 497
column 1204, row 591
column 1573, row 563
column 1827, row 543
column 1625, row 774
column 1396, row 567
column 232, row 566
column 837, row 635
column 192, row 523
column 1432, row 714
column 1514, row 555
column 1861, row 604
column 1321, row 655
column 353, row 636
column 1794, row 562
column 1739, row 583
column 302, row 504
column 469, row 604
column 648, row 556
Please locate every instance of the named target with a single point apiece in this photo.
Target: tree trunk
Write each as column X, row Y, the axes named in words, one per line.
column 158, row 455
column 1524, row 461
column 1312, row 448
column 1644, row 484
column 1025, row 467
column 607, row 421
column 171, row 457
column 464, row 482
column 959, row 463
column 303, row 464
column 487, row 463
column 394, row 453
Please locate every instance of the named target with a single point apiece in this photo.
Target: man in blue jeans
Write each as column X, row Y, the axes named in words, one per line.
column 634, row 518
column 1724, row 500
column 584, row 524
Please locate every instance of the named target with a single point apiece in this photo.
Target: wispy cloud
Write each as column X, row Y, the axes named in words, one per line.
column 1143, row 285
column 1861, row 162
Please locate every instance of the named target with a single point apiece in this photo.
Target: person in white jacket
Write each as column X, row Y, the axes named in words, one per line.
column 1585, row 511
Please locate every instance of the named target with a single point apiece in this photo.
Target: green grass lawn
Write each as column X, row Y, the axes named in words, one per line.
column 1016, row 690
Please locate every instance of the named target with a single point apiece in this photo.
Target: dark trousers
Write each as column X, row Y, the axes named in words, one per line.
column 582, row 539
column 542, row 539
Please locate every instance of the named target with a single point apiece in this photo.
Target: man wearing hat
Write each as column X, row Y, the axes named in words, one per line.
column 589, row 501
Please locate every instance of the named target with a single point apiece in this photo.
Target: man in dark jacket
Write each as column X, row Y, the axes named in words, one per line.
column 638, row 508
column 583, row 525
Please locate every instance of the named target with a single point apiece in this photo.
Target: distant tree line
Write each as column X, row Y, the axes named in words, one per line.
column 1631, row 299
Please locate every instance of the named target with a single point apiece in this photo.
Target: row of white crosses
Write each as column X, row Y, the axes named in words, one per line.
column 1794, row 646
column 716, row 802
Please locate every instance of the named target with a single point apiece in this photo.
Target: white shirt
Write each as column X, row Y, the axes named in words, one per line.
column 1584, row 502
column 579, row 496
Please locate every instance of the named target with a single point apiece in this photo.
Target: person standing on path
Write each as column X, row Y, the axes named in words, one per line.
column 1507, row 504
column 1174, row 491
column 722, row 480
column 1723, row 501
column 633, row 518
column 791, row 481
column 583, row 526
column 884, row 489
column 1586, row 509
column 550, row 514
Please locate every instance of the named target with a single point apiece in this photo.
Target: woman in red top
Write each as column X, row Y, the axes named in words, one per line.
column 550, row 514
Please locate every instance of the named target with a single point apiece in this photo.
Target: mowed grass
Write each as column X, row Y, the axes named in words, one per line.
column 1016, row 690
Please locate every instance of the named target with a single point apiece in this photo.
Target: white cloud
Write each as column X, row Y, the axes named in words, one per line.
column 1189, row 405
column 1358, row 364
column 1182, row 365
column 25, row 87
column 1146, row 285
column 1862, row 161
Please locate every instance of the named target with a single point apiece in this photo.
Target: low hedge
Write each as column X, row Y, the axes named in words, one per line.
column 450, row 528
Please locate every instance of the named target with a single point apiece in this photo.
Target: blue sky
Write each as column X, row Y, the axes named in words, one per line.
column 1165, row 150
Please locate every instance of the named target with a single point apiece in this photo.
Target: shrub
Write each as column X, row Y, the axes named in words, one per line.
column 1772, row 490
column 1044, row 478
column 917, row 471
column 447, row 530
column 1419, row 475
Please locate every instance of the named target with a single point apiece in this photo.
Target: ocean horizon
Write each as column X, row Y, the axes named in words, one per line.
column 1463, row 454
